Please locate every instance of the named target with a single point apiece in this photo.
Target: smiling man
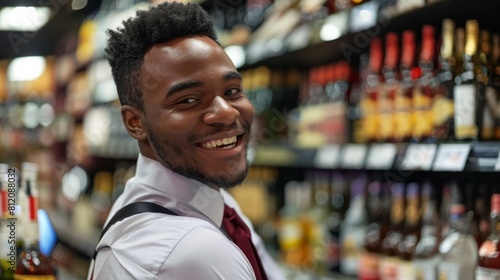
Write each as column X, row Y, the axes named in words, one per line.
column 182, row 100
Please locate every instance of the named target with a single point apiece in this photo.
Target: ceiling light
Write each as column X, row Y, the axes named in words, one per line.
column 26, row 68
column 23, row 18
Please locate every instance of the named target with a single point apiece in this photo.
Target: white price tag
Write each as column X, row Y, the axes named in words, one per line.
column 419, row 157
column 327, row 157
column 353, row 156
column 497, row 165
column 381, row 156
column 451, row 157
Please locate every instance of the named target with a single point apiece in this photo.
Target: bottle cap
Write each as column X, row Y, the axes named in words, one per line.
column 495, row 202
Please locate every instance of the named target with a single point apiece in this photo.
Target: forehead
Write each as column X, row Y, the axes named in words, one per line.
column 183, row 54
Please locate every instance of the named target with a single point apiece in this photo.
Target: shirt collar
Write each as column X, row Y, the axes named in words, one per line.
column 165, row 182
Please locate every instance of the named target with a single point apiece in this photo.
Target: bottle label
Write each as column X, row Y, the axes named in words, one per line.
column 34, row 277
column 456, row 271
column 465, row 109
column 368, row 266
column 351, row 245
column 426, row 268
column 483, row 273
column 406, row 270
column 389, row 268
column 489, row 113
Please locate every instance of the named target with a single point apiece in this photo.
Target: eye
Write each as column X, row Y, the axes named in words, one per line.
column 187, row 101
column 234, row 91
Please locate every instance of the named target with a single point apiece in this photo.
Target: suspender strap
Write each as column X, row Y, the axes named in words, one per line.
column 133, row 209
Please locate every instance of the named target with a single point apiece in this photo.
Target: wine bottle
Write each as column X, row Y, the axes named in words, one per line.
column 353, row 229
column 427, row 248
column 403, row 115
column 423, row 94
column 489, row 252
column 469, row 87
column 443, row 86
column 390, row 89
column 389, row 262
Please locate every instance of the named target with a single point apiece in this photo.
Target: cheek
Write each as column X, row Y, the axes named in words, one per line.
column 247, row 111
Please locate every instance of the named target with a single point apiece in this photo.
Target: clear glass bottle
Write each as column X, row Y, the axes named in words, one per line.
column 459, row 252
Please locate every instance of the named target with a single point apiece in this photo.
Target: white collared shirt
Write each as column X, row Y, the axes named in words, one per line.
column 190, row 246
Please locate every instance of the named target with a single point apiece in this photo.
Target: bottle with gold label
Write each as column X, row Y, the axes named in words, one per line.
column 469, row 87
column 443, row 86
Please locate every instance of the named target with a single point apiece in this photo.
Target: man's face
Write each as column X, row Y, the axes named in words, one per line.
column 196, row 116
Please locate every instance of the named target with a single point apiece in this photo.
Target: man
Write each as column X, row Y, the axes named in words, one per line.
column 182, row 99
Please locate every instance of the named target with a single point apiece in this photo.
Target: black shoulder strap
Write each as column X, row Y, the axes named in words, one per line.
column 133, row 209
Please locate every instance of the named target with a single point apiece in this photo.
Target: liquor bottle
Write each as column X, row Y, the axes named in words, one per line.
column 459, row 252
column 378, row 209
column 469, row 87
column 7, row 241
column 443, row 86
column 488, row 109
column 389, row 262
column 403, row 115
column 353, row 229
column 427, row 249
column 391, row 88
column 31, row 263
column 423, row 120
column 316, row 232
column 339, row 203
column 495, row 79
column 365, row 130
column 290, row 229
column 489, row 252
column 411, row 232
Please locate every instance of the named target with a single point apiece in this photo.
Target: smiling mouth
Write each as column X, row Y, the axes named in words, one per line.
column 222, row 143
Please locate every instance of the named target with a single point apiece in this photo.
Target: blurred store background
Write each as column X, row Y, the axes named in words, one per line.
column 376, row 143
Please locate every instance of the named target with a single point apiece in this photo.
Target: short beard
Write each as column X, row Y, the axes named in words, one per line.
column 221, row 181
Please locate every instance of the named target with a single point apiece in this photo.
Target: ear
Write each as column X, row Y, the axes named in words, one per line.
column 133, row 119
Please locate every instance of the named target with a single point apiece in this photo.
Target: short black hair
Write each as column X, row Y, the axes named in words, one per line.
column 162, row 23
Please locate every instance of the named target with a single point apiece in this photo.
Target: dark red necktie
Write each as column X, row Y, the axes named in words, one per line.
column 240, row 234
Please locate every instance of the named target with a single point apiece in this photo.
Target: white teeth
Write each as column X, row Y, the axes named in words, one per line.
column 220, row 142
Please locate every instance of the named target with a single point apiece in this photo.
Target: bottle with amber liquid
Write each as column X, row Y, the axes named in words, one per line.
column 391, row 88
column 469, row 87
column 31, row 263
column 411, row 234
column 389, row 262
column 403, row 111
column 489, row 252
column 423, row 94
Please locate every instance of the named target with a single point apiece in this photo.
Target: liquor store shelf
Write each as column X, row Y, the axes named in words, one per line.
column 446, row 157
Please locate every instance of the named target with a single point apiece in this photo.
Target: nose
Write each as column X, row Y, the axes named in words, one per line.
column 220, row 112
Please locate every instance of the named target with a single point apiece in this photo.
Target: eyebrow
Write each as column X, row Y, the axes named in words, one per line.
column 195, row 83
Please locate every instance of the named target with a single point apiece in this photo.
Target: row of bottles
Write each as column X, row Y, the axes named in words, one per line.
column 359, row 225
column 22, row 256
column 443, row 89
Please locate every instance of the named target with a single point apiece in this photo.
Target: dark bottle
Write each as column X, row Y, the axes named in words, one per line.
column 489, row 252
column 411, row 232
column 339, row 202
column 376, row 229
column 389, row 263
